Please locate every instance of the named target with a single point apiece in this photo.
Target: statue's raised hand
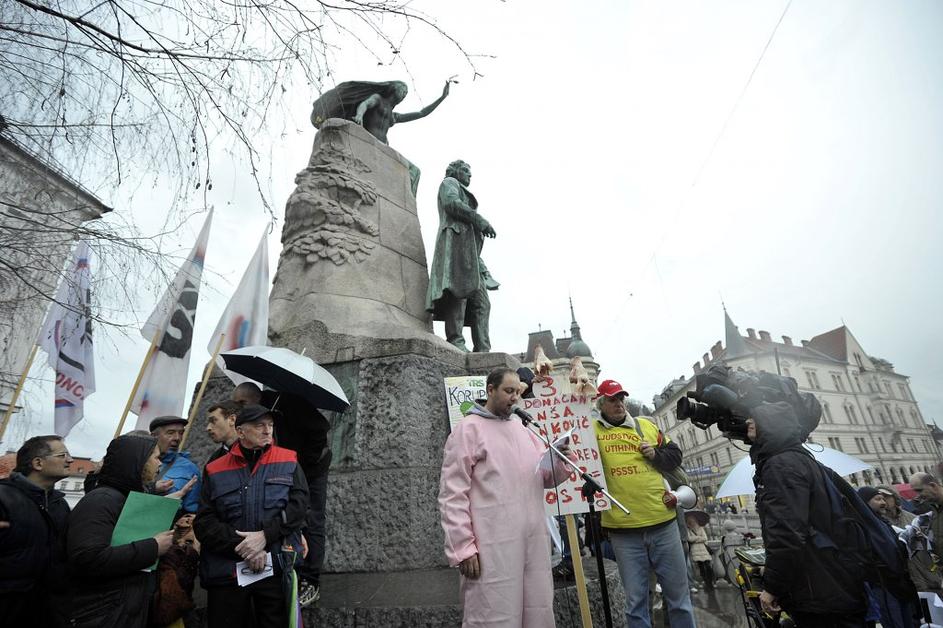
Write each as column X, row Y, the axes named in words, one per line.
column 487, row 230
column 445, row 90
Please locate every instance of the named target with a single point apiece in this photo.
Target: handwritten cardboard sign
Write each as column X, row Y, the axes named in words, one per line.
column 556, row 409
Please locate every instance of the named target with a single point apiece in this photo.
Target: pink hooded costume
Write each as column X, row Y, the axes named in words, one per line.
column 491, row 503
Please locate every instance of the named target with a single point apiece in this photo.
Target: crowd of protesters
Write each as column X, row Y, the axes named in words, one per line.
column 257, row 510
column 248, row 512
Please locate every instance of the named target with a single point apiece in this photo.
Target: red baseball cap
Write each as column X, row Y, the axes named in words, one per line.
column 611, row 388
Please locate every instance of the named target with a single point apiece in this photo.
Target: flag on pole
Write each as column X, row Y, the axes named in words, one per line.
column 163, row 386
column 66, row 337
column 245, row 320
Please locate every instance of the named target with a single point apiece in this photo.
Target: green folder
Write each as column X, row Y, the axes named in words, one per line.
column 143, row 516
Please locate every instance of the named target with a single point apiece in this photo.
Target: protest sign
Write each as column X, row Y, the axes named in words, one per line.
column 460, row 395
column 557, row 409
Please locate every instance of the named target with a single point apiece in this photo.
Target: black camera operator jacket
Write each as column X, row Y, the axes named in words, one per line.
column 793, row 503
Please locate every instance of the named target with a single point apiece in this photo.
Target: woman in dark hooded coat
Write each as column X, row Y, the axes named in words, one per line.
column 111, row 590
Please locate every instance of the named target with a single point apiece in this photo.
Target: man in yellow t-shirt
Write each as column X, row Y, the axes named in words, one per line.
column 648, row 538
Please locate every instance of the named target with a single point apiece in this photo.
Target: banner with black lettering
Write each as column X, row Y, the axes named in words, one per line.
column 163, row 388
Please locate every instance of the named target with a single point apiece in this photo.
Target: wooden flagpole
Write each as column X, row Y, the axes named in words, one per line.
column 17, row 391
column 577, row 559
column 137, row 382
column 199, row 395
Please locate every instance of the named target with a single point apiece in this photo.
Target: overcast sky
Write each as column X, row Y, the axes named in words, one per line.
column 623, row 159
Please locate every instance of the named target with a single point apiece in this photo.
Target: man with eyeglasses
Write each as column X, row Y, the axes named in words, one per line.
column 252, row 507
column 33, row 520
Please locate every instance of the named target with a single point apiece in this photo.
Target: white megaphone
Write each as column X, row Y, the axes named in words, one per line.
column 683, row 496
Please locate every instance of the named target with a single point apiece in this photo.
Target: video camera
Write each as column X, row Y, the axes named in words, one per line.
column 726, row 397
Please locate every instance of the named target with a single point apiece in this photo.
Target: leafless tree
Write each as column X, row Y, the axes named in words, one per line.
column 132, row 94
column 122, row 90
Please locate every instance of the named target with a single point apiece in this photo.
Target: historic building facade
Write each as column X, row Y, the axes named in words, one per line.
column 868, row 409
column 41, row 213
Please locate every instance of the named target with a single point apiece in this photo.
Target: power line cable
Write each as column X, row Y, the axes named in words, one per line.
column 697, row 177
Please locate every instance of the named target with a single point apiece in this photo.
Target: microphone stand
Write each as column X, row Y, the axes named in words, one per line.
column 589, row 490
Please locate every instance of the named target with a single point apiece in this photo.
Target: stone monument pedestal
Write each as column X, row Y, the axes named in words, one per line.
column 430, row 598
column 352, row 278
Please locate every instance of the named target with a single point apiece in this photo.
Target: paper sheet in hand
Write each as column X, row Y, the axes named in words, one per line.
column 546, row 460
column 142, row 517
column 245, row 575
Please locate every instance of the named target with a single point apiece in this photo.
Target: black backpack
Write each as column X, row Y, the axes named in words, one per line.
column 863, row 538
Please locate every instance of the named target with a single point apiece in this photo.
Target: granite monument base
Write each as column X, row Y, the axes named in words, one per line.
column 430, row 599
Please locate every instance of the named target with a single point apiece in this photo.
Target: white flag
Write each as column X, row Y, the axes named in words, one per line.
column 163, row 387
column 245, row 320
column 66, row 337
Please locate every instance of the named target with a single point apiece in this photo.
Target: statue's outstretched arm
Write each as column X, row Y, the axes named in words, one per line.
column 365, row 106
column 408, row 117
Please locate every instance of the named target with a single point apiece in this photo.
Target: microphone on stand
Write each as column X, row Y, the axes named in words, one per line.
column 525, row 417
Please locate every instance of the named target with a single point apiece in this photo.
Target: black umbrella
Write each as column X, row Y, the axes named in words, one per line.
column 288, row 372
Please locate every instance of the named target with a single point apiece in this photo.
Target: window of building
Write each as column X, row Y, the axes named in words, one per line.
column 867, row 476
column 900, row 416
column 827, row 413
column 913, row 445
column 835, row 443
column 837, row 383
column 887, row 387
column 715, row 459
column 862, row 445
column 851, row 414
column 881, row 442
column 903, row 391
column 858, row 384
column 729, row 456
column 871, row 414
column 813, row 380
column 681, row 438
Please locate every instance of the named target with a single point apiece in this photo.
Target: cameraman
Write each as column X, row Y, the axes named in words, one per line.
column 815, row 584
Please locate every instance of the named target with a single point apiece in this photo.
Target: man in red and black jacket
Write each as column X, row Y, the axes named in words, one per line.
column 252, row 504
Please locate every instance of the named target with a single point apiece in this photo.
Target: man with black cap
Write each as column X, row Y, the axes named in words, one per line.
column 301, row 428
column 874, row 498
column 252, row 506
column 176, row 468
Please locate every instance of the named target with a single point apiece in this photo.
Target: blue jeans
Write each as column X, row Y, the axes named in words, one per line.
column 660, row 549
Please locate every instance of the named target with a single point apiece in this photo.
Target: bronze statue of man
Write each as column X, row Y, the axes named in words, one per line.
column 459, row 280
column 370, row 105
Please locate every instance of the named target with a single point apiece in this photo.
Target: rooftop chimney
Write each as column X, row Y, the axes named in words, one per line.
column 707, row 359
column 765, row 337
column 716, row 349
column 805, row 343
column 787, row 340
column 751, row 333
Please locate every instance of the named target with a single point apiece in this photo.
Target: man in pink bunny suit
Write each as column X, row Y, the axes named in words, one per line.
column 491, row 504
